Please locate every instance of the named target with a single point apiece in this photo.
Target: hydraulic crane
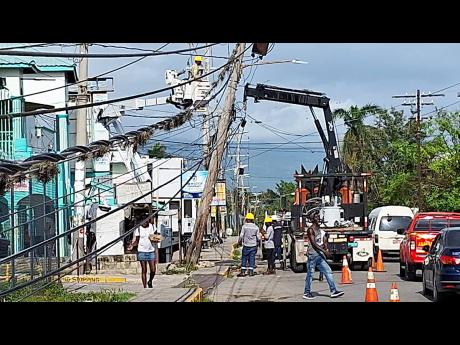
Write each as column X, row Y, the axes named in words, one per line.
column 312, row 99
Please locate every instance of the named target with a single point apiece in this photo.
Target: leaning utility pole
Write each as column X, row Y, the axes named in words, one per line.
column 418, row 105
column 78, row 239
column 194, row 250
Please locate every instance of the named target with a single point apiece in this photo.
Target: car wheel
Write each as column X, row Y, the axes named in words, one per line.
column 410, row 272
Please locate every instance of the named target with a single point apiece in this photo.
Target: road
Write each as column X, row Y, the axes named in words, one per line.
column 287, row 286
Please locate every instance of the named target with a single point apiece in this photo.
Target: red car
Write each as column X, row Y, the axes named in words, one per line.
column 421, row 232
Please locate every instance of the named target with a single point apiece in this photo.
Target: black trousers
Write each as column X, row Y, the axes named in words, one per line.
column 271, row 258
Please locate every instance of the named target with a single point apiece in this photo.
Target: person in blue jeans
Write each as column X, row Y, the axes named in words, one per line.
column 248, row 238
column 317, row 252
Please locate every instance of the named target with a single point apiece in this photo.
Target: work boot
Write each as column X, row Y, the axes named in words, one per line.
column 266, row 272
column 242, row 273
column 251, row 273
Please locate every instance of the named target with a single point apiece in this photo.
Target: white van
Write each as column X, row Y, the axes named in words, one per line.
column 384, row 222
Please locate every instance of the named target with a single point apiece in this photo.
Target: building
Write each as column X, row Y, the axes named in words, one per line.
column 23, row 81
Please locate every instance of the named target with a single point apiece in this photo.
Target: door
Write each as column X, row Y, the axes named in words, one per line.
column 389, row 239
column 430, row 261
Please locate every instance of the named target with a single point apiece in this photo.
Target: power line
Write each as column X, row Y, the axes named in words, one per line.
column 89, row 105
column 91, row 55
column 92, row 78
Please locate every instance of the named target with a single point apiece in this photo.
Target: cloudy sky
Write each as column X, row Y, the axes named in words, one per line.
column 349, row 74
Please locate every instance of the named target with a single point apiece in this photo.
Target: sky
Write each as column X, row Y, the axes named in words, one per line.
column 349, row 74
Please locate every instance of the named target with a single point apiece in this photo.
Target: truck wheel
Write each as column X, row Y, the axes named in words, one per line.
column 296, row 268
column 410, row 272
column 365, row 265
column 402, row 271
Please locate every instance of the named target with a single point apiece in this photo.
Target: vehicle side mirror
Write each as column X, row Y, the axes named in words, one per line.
column 426, row 248
column 401, row 231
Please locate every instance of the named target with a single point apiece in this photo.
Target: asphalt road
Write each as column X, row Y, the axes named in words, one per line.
column 287, row 286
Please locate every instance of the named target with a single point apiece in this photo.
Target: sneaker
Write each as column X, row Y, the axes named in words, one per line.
column 308, row 296
column 337, row 294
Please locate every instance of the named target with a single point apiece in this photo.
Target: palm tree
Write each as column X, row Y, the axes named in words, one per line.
column 357, row 138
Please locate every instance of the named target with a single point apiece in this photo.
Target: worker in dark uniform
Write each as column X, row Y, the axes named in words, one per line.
column 277, row 239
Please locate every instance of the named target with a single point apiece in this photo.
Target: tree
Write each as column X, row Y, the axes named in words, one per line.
column 285, row 190
column 157, row 151
column 355, row 142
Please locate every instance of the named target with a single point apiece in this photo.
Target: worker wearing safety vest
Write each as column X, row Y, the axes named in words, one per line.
column 197, row 68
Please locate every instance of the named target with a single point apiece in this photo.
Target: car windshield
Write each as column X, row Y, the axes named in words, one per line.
column 435, row 224
column 393, row 223
column 453, row 238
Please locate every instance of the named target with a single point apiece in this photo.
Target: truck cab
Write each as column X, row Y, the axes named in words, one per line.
column 421, row 232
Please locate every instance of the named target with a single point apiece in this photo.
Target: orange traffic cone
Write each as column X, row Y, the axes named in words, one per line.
column 371, row 291
column 346, row 274
column 379, row 267
column 394, row 294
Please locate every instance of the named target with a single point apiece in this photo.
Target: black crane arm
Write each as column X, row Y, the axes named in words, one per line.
column 306, row 98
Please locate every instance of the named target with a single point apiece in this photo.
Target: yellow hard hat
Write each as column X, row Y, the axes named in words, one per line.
column 198, row 59
column 250, row 216
column 267, row 220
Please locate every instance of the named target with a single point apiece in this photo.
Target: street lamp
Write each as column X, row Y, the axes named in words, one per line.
column 294, row 61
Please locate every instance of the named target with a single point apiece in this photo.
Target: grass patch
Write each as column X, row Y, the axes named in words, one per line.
column 57, row 293
column 180, row 269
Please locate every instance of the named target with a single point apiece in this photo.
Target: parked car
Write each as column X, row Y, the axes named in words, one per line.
column 383, row 222
column 441, row 267
column 420, row 233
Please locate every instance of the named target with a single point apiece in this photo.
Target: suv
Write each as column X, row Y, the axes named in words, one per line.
column 420, row 233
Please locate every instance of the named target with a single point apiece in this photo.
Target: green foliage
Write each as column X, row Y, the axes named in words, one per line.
column 157, row 151
column 388, row 149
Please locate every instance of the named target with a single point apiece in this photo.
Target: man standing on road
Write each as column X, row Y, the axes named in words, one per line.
column 277, row 240
column 248, row 238
column 317, row 258
column 269, row 245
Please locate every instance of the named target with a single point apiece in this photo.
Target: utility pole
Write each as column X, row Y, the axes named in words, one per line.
column 194, row 250
column 205, row 127
column 418, row 104
column 78, row 239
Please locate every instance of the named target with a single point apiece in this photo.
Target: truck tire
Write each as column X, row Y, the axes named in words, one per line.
column 402, row 271
column 410, row 272
column 296, row 268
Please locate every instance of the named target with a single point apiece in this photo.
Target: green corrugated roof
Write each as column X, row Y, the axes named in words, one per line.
column 38, row 63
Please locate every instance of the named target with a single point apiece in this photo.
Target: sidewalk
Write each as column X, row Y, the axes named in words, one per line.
column 175, row 287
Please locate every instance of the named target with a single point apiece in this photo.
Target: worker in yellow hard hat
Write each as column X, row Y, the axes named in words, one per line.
column 248, row 238
column 269, row 245
column 197, row 68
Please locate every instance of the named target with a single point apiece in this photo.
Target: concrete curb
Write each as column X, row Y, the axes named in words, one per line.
column 196, row 296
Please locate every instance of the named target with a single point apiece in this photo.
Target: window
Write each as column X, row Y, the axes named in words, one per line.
column 174, row 205
column 431, row 224
column 188, row 208
column 394, row 223
column 453, row 239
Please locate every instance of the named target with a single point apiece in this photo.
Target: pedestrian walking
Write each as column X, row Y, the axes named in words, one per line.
column 145, row 240
column 317, row 258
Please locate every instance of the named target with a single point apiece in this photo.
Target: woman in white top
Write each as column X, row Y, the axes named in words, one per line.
column 145, row 251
